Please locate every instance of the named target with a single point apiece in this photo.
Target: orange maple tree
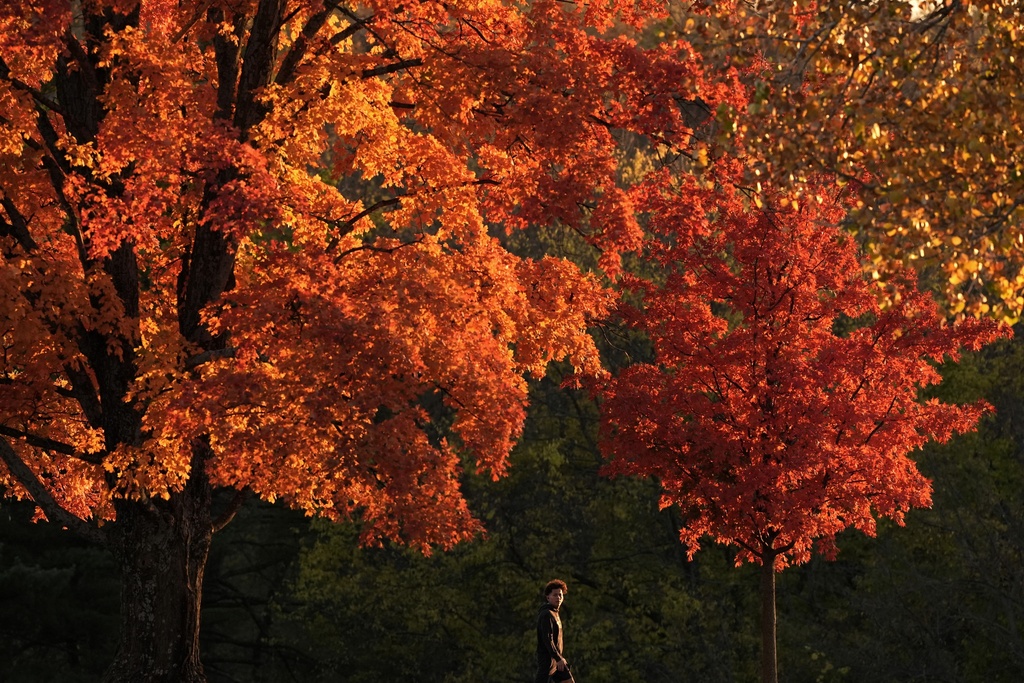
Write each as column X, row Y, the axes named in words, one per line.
column 783, row 402
column 257, row 245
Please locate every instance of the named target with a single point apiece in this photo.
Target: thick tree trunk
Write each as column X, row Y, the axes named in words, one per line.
column 769, row 658
column 162, row 550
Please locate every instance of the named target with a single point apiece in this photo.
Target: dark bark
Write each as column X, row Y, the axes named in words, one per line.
column 257, row 63
column 161, row 549
column 205, row 275
column 769, row 658
column 227, row 52
column 298, row 49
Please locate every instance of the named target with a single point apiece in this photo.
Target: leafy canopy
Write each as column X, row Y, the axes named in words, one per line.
column 913, row 103
column 782, row 403
column 262, row 240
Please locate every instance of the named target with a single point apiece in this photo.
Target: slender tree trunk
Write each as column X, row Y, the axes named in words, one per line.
column 769, row 658
column 161, row 548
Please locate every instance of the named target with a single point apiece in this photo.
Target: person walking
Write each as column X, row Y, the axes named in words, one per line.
column 551, row 665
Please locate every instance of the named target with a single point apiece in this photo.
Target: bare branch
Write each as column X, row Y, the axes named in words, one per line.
column 57, row 167
column 345, row 227
column 880, row 423
column 224, row 518
column 389, row 51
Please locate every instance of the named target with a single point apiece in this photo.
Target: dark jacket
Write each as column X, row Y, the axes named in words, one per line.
column 549, row 636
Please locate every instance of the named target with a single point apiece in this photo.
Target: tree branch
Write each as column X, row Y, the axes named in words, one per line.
column 347, row 226
column 192, row 21
column 85, row 65
column 17, row 227
column 298, row 49
column 379, row 250
column 5, row 73
column 351, row 29
column 257, row 63
column 42, row 496
column 57, row 167
column 226, row 52
column 206, row 356
column 225, row 517
column 392, row 68
column 48, row 444
column 881, row 422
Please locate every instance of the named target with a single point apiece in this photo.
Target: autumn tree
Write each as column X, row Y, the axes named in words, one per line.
column 911, row 101
column 253, row 245
column 782, row 403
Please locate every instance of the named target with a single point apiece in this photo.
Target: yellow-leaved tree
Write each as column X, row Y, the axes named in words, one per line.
column 915, row 103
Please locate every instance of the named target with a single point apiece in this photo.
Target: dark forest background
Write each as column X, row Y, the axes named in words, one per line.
column 293, row 599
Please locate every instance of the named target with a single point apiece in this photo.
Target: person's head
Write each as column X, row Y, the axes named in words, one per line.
column 555, row 591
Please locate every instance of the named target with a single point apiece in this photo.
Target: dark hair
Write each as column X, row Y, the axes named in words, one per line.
column 553, row 584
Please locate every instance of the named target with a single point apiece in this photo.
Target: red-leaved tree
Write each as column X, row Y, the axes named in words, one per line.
column 254, row 246
column 782, row 403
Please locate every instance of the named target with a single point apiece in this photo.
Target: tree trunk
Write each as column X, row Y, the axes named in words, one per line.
column 161, row 548
column 769, row 659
